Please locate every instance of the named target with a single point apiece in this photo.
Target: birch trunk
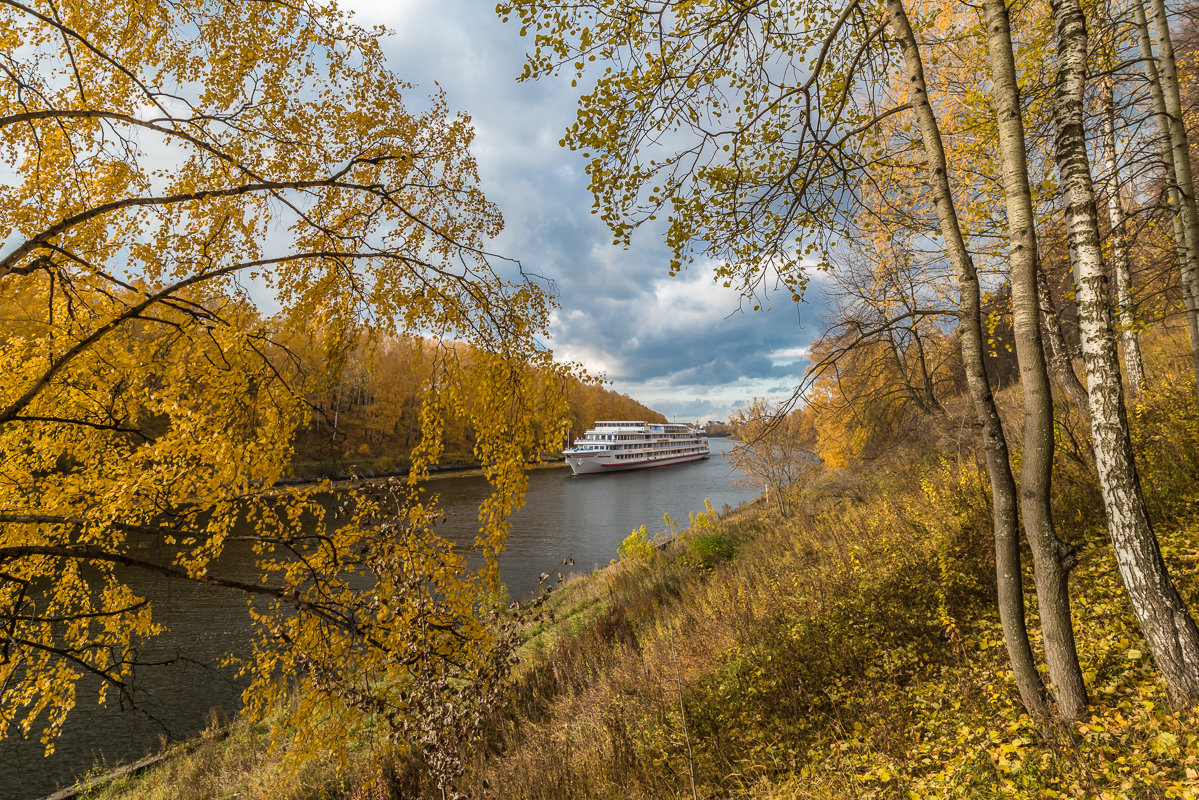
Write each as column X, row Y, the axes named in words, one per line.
column 1165, row 622
column 1059, row 353
column 1049, row 572
column 337, row 411
column 1159, row 28
column 1005, row 518
column 1133, row 364
column 1162, row 118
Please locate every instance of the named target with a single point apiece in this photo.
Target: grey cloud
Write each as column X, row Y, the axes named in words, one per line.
column 611, row 303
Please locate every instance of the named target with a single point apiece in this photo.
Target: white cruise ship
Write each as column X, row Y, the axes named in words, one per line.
column 612, row 446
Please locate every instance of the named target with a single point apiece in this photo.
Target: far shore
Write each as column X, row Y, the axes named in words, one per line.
column 436, row 472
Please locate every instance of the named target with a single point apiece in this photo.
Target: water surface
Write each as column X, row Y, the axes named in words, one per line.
column 565, row 516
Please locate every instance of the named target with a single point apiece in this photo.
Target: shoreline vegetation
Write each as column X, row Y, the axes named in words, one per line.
column 123, row 781
column 848, row 649
column 456, row 469
column 371, row 415
column 453, row 469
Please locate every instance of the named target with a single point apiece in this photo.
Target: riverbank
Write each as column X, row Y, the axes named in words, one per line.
column 581, row 520
column 237, row 758
column 849, row 650
column 459, row 469
column 852, row 651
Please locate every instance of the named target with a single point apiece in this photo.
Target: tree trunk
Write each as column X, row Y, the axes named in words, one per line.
column 1008, row 577
column 1059, row 351
column 1165, row 152
column 931, row 404
column 1159, row 28
column 1165, row 622
column 1133, row 364
column 337, row 411
column 409, row 413
column 1036, row 473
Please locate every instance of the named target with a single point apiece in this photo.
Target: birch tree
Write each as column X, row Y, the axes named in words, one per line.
column 750, row 126
column 1164, row 618
column 1050, row 554
column 1161, row 74
column 1004, row 506
column 1121, row 263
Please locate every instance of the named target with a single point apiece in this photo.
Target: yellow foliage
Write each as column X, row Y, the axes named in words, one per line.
column 773, row 448
column 163, row 158
column 638, row 547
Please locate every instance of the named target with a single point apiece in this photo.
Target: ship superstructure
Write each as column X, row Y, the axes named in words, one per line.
column 615, row 445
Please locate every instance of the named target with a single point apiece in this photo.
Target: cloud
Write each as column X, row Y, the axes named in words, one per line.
column 679, row 344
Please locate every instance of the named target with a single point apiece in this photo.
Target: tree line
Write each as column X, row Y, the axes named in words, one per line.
column 366, row 411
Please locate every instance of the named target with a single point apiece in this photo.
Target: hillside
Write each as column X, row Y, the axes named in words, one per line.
column 851, row 649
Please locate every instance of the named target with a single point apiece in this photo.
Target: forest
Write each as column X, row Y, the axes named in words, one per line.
column 974, row 569
column 366, row 417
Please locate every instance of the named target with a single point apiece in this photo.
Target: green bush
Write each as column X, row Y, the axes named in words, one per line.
column 706, row 550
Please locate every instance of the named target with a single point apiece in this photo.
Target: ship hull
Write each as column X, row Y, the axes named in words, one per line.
column 594, row 465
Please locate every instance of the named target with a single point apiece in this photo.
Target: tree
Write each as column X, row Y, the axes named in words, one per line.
column 887, row 293
column 760, row 130
column 775, row 120
column 1163, row 616
column 774, row 449
column 1050, row 568
column 167, row 157
column 1161, row 72
column 1121, row 260
column 699, row 115
column 1004, row 505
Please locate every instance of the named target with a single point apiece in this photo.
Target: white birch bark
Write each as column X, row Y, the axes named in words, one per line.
column 1162, row 119
column 1036, row 472
column 1165, row 621
column 1133, row 363
column 1159, row 29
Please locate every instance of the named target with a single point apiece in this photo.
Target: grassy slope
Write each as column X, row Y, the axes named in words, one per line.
column 855, row 652
column 852, row 651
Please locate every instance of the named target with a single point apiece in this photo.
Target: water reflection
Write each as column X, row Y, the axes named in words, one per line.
column 586, row 517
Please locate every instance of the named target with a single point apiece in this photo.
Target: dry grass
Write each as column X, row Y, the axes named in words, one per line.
column 598, row 713
column 240, row 762
column 853, row 650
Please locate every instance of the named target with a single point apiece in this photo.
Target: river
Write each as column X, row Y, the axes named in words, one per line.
column 565, row 516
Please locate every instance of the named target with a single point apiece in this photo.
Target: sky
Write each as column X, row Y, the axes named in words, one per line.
column 681, row 345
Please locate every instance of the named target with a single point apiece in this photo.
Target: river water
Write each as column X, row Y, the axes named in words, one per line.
column 565, row 516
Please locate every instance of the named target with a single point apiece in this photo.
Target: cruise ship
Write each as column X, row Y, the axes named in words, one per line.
column 612, row 446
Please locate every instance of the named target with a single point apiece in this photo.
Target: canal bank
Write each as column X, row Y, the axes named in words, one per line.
column 583, row 519
column 570, row 605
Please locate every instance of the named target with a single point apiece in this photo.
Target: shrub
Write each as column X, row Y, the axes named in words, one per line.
column 706, row 550
column 1165, row 434
column 638, row 547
